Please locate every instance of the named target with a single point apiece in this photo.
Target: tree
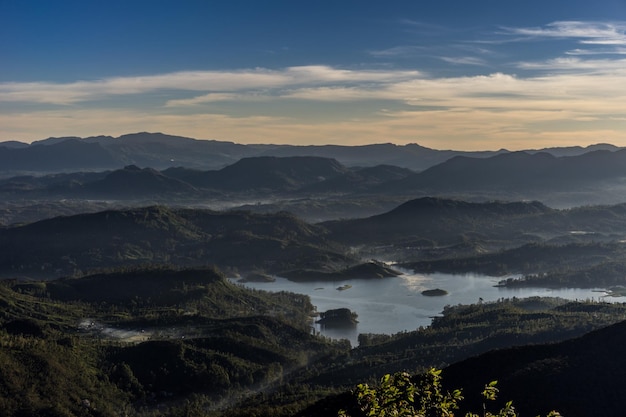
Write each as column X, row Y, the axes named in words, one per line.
column 398, row 396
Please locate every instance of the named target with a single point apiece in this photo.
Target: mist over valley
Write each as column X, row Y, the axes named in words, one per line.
column 222, row 275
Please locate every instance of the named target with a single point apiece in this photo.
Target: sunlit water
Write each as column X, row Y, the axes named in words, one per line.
column 393, row 305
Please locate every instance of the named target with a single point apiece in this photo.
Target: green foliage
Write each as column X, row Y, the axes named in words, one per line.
column 54, row 377
column 65, row 341
column 398, row 396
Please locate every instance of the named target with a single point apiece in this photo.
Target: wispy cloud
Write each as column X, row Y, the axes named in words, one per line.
column 68, row 93
column 398, row 51
column 597, row 51
column 576, row 93
column 574, row 63
column 589, row 38
column 464, row 60
column 590, row 33
column 213, row 98
column 216, row 85
column 476, row 112
column 336, row 94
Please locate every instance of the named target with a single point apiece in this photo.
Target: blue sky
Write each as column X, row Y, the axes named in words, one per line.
column 444, row 74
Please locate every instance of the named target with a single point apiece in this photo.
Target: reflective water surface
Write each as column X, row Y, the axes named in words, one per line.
column 392, row 305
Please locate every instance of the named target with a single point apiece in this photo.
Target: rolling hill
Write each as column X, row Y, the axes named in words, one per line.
column 261, row 174
column 437, row 219
column 157, row 235
column 519, row 172
column 134, row 182
column 124, row 341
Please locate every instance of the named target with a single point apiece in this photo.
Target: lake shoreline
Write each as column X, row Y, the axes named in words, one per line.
column 393, row 305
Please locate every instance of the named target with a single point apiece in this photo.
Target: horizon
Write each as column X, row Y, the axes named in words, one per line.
column 305, row 145
column 451, row 75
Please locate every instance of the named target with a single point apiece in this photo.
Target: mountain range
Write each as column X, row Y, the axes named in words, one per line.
column 590, row 178
column 161, row 151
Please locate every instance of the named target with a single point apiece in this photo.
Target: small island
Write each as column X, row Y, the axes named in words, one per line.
column 437, row 292
column 339, row 317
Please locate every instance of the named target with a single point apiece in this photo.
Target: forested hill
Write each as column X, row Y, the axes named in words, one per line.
column 580, row 377
column 449, row 221
column 158, row 235
column 561, row 348
column 280, row 242
column 150, row 341
column 166, row 341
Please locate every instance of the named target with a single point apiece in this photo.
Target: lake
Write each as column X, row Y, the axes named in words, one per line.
column 392, row 305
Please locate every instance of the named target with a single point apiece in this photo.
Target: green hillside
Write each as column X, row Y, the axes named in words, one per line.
column 76, row 244
column 115, row 342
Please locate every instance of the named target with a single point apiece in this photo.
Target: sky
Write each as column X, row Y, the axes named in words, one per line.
column 463, row 75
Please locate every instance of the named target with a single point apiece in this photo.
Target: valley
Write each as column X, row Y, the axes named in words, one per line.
column 149, row 289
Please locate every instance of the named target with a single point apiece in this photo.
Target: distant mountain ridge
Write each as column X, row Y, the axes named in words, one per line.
column 61, row 156
column 268, row 172
column 177, row 170
column 133, row 181
column 161, row 151
column 596, row 177
column 250, row 176
column 521, row 170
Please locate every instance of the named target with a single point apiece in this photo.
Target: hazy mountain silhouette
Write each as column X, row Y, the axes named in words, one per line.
column 520, row 171
column 359, row 179
column 20, row 186
column 128, row 183
column 135, row 182
column 13, row 144
column 577, row 150
column 411, row 156
column 161, row 151
column 62, row 156
column 267, row 173
column 249, row 174
column 592, row 175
